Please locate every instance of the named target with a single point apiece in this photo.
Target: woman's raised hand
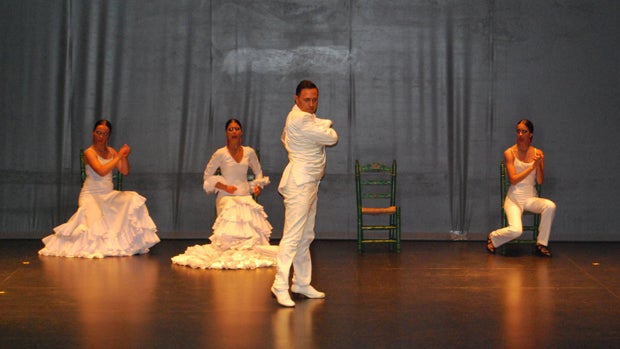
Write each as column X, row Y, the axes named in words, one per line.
column 124, row 151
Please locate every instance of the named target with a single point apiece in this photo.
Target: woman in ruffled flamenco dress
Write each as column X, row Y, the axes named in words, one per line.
column 241, row 232
column 107, row 222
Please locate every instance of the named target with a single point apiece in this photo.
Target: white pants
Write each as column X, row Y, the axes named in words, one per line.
column 514, row 213
column 299, row 215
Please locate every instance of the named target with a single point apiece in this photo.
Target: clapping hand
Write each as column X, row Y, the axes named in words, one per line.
column 538, row 159
column 124, row 151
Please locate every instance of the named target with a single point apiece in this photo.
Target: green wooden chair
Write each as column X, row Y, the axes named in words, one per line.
column 375, row 187
column 117, row 177
column 533, row 218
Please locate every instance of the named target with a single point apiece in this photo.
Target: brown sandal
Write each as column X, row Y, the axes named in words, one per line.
column 490, row 247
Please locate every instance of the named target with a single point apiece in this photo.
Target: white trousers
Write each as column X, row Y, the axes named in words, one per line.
column 514, row 214
column 299, row 215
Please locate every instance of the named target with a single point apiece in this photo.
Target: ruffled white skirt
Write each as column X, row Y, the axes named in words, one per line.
column 240, row 238
column 116, row 223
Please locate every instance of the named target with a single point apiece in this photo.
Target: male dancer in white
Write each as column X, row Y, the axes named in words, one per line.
column 304, row 137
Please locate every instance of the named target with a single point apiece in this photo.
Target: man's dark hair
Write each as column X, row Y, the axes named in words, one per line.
column 303, row 84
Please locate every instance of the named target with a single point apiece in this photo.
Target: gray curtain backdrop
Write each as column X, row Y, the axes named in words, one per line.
column 436, row 85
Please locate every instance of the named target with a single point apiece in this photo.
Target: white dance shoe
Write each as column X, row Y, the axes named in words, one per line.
column 282, row 297
column 307, row 291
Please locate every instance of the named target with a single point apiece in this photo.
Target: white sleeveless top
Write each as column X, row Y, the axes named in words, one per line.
column 96, row 184
column 524, row 189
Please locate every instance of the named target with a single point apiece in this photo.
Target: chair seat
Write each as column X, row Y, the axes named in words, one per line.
column 379, row 210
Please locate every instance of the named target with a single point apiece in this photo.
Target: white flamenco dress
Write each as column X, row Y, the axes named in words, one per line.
column 107, row 223
column 241, row 231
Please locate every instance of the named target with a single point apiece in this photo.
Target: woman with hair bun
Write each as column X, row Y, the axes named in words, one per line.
column 525, row 166
column 107, row 222
column 241, row 232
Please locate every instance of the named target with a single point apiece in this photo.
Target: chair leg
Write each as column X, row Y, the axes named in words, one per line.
column 398, row 229
column 360, row 237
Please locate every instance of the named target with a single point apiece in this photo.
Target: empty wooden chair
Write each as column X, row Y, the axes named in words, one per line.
column 375, row 186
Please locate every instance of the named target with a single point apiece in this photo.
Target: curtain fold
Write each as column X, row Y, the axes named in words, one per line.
column 436, row 85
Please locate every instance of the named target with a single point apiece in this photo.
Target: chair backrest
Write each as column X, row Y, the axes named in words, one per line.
column 375, row 181
column 117, row 177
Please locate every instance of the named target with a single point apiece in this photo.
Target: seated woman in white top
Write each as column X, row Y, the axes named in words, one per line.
column 525, row 166
column 107, row 222
column 241, row 231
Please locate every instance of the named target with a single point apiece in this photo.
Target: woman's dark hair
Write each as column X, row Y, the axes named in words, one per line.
column 231, row 121
column 105, row 123
column 303, row 84
column 528, row 124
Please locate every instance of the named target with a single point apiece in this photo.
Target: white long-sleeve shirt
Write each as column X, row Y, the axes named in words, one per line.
column 305, row 137
column 233, row 172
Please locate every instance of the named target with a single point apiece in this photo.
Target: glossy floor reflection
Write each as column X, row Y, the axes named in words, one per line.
column 431, row 295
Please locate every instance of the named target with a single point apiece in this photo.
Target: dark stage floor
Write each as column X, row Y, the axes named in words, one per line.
column 431, row 295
